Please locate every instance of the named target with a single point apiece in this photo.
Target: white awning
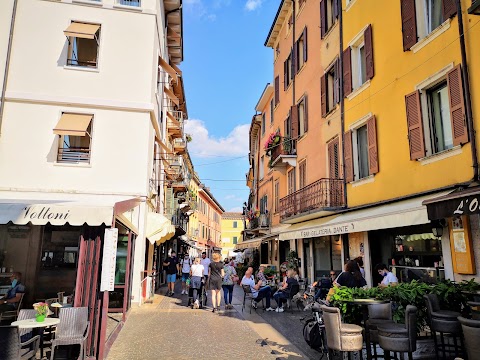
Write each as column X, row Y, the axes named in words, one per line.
column 159, row 228
column 402, row 213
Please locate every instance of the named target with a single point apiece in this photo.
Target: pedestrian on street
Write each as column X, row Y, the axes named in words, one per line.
column 259, row 292
column 206, row 263
column 171, row 263
column 215, row 276
column 196, row 271
column 228, row 284
column 185, row 263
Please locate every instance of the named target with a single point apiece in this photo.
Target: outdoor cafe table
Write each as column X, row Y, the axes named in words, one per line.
column 364, row 304
column 39, row 326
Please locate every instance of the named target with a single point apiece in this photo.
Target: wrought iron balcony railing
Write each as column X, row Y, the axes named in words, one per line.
column 262, row 222
column 323, row 194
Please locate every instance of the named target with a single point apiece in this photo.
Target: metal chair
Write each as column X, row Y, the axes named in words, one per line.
column 378, row 314
column 471, row 332
column 247, row 294
column 293, row 291
column 73, row 329
column 399, row 337
column 341, row 337
column 13, row 314
column 26, row 334
column 11, row 348
column 443, row 321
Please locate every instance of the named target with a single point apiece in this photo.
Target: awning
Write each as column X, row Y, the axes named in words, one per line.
column 254, row 243
column 82, row 30
column 57, row 208
column 73, row 124
column 171, row 95
column 159, row 229
column 398, row 214
column 170, row 70
column 456, row 203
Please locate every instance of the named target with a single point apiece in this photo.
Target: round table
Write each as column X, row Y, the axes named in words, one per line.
column 40, row 326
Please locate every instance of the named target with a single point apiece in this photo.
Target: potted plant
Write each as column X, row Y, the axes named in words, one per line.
column 272, row 142
column 41, row 309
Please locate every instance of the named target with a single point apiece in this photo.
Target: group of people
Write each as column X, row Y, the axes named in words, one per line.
column 215, row 275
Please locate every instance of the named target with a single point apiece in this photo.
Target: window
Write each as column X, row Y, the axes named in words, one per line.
column 330, row 89
column 235, row 224
column 333, row 163
column 261, row 166
column 235, row 240
column 302, row 116
column 358, row 61
column 277, row 90
column 130, row 2
column 75, row 137
column 435, row 115
column 287, row 71
column 328, row 15
column 300, row 52
column 272, row 107
column 264, row 204
column 83, row 41
column 361, row 153
column 263, row 124
column 291, row 181
column 421, row 17
column 302, row 174
column 277, row 195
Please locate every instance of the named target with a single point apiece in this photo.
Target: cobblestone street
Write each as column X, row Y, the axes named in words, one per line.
column 168, row 329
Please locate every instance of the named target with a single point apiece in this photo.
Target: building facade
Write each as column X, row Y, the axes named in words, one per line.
column 232, row 232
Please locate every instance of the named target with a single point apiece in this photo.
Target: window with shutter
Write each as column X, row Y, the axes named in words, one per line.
column 372, row 146
column 415, row 125
column 457, row 106
column 360, row 60
column 329, row 89
column 277, row 90
column 348, row 156
column 276, row 195
column 328, row 15
column 272, row 107
column 302, row 174
column 302, row 116
column 300, row 49
column 333, row 164
column 409, row 24
column 323, row 94
column 291, row 181
column 295, row 126
column 369, row 69
column 347, row 71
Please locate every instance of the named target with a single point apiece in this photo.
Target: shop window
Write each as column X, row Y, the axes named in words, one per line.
column 235, row 224
column 235, row 240
column 83, row 44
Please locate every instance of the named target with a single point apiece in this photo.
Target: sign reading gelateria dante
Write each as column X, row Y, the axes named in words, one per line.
column 325, row 231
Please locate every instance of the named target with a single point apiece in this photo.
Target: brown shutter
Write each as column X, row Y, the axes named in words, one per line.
column 277, row 90
column 336, row 82
column 335, row 9
column 323, row 94
column 347, row 144
column 449, row 8
column 415, row 125
column 409, row 24
column 305, row 45
column 347, row 71
column 305, row 115
column 293, row 56
column 457, row 106
column 367, row 35
column 285, row 74
column 294, row 121
column 286, row 130
column 333, row 172
column 372, row 146
column 323, row 18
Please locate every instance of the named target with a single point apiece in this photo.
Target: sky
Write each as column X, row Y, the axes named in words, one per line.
column 225, row 69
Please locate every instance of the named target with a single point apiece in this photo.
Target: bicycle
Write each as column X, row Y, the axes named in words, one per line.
column 314, row 328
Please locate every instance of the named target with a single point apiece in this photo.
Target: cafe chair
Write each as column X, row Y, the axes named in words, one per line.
column 247, row 294
column 471, row 333
column 11, row 348
column 340, row 336
column 24, row 314
column 400, row 338
column 13, row 314
column 293, row 291
column 378, row 314
column 443, row 321
column 73, row 329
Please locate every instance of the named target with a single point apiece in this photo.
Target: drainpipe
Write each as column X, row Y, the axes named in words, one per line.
column 342, row 98
column 7, row 62
column 294, row 56
column 466, row 92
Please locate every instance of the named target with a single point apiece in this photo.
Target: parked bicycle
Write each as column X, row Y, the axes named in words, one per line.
column 314, row 328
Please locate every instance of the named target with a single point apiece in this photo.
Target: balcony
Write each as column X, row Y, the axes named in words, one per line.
column 179, row 146
column 283, row 155
column 324, row 195
column 260, row 222
column 175, row 124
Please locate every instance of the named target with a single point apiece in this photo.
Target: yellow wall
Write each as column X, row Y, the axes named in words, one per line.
column 396, row 75
column 193, row 219
column 228, row 232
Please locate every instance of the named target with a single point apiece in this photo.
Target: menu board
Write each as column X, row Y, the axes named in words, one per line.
column 461, row 245
column 109, row 260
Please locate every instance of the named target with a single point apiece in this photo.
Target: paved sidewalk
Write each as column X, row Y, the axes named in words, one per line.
column 169, row 329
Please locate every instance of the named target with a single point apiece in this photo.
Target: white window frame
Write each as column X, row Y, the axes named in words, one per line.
column 59, row 138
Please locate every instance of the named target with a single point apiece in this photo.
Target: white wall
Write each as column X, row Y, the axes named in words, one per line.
column 6, row 7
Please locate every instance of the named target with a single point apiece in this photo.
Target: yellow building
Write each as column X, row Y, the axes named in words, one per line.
column 232, row 230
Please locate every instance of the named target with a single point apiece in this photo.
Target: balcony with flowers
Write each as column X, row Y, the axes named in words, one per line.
column 280, row 149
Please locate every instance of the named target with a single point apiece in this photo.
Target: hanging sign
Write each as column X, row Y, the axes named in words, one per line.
column 109, row 260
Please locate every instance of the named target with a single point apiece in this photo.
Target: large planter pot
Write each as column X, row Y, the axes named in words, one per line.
column 40, row 318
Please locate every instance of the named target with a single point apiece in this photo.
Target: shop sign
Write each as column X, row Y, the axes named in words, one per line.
column 109, row 260
column 466, row 205
column 326, row 231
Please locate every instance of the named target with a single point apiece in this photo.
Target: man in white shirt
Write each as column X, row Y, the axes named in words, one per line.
column 205, row 262
column 389, row 278
column 258, row 292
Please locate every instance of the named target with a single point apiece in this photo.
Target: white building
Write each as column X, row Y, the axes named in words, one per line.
column 83, row 118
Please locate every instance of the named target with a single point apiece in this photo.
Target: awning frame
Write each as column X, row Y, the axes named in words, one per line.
column 75, row 132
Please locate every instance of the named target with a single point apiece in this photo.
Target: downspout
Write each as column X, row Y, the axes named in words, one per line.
column 294, row 56
column 466, row 91
column 342, row 98
column 7, row 62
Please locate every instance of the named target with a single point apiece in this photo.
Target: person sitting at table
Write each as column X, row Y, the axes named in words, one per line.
column 261, row 275
column 389, row 278
column 324, row 285
column 259, row 291
column 14, row 294
column 283, row 292
column 351, row 276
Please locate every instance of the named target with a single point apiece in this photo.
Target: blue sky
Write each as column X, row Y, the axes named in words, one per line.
column 225, row 70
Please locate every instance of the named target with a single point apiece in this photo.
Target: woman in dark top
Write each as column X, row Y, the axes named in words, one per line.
column 351, row 277
column 215, row 277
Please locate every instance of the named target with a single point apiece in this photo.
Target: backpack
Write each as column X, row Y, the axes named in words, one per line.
column 313, row 334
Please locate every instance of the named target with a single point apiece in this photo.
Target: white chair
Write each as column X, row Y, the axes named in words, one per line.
column 73, row 329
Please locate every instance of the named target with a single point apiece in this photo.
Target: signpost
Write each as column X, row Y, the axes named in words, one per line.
column 109, row 260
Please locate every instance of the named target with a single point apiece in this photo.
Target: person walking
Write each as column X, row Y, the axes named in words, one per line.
column 205, row 261
column 215, row 276
column 228, row 284
column 196, row 272
column 186, row 262
column 171, row 264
